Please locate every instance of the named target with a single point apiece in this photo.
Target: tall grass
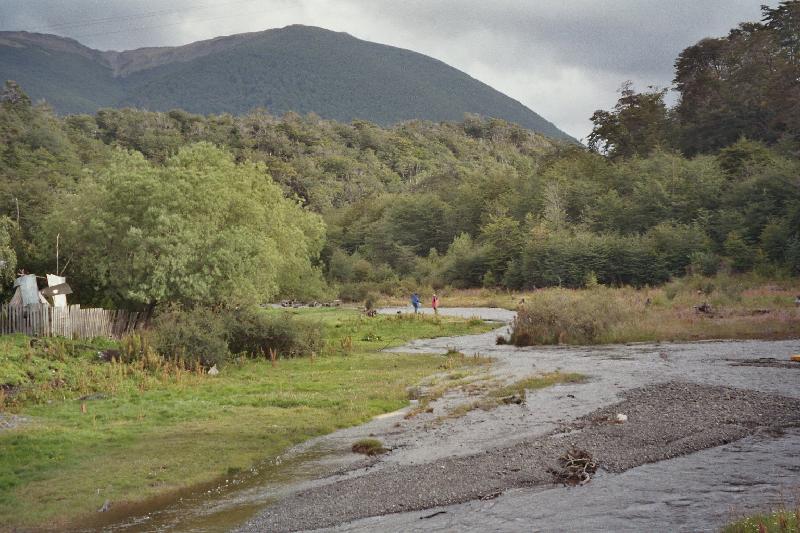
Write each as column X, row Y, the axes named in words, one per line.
column 726, row 288
column 741, row 307
column 566, row 316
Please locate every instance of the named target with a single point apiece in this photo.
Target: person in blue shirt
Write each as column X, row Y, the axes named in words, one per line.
column 415, row 301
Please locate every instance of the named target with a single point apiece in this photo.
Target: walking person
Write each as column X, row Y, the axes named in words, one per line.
column 435, row 304
column 415, row 301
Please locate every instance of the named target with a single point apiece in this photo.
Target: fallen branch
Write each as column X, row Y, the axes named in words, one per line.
column 577, row 467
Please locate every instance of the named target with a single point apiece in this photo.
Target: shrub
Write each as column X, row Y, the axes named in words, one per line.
column 793, row 255
column 731, row 288
column 136, row 347
column 671, row 290
column 254, row 332
column 369, row 447
column 704, row 263
column 341, row 266
column 742, row 257
column 676, row 245
column 370, row 301
column 196, row 336
column 465, row 262
column 563, row 316
column 356, row 292
column 566, row 259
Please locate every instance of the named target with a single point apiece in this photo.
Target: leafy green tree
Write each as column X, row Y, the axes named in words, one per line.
column 637, row 125
column 37, row 162
column 8, row 259
column 609, row 212
column 465, row 263
column 503, row 238
column 775, row 238
column 740, row 159
column 704, row 263
column 340, row 266
column 569, row 258
column 199, row 230
column 770, row 193
column 741, row 255
column 156, row 135
column 744, row 84
column 12, row 96
column 793, row 255
column 676, row 244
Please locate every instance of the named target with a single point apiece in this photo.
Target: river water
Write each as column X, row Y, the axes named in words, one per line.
column 697, row 492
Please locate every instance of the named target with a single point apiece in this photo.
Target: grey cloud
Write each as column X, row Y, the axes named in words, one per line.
column 621, row 36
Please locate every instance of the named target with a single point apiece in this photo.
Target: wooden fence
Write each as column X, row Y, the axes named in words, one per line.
column 72, row 322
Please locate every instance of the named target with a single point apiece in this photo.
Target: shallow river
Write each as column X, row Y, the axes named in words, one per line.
column 698, row 492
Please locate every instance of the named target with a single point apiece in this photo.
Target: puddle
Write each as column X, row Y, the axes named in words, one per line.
column 217, row 506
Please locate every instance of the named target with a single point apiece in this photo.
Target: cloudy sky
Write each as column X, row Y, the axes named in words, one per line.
column 561, row 58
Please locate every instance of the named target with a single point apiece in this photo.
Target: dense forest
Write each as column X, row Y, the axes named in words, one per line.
column 139, row 208
column 297, row 68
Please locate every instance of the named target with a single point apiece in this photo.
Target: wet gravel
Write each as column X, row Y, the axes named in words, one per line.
column 694, row 493
column 665, row 420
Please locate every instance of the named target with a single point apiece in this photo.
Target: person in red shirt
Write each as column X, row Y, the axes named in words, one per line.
column 435, row 304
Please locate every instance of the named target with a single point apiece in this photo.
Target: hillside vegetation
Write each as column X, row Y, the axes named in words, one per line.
column 367, row 209
column 297, row 68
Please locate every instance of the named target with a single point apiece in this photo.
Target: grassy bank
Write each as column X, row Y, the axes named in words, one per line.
column 731, row 308
column 345, row 325
column 140, row 432
column 779, row 521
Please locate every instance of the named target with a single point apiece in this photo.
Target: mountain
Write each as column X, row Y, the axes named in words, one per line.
column 296, row 68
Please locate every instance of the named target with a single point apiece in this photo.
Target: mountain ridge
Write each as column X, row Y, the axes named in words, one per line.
column 295, row 68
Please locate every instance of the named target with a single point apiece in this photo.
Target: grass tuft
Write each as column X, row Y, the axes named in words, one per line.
column 778, row 521
column 512, row 393
column 369, row 447
column 537, row 382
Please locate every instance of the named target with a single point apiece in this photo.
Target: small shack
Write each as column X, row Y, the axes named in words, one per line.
column 46, row 313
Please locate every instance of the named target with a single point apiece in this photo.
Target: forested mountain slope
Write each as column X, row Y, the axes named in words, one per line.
column 297, row 68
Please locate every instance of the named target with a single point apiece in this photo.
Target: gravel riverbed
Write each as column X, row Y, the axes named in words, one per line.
column 711, row 433
column 711, row 429
column 663, row 421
